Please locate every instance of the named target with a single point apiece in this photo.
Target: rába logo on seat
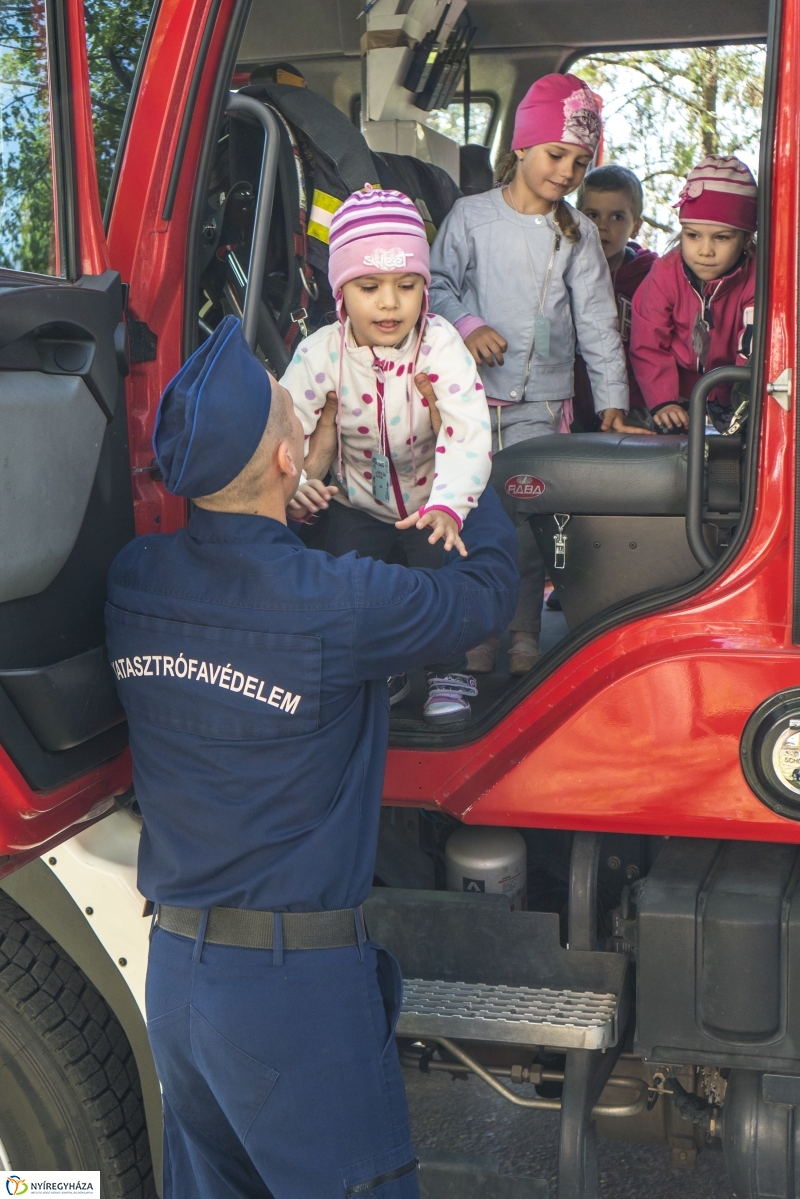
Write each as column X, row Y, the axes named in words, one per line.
column 524, row 487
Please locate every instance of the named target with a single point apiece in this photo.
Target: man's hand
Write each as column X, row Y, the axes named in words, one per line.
column 672, row 416
column 425, row 388
column 322, row 443
column 310, row 498
column 486, row 346
column 614, row 422
column 443, row 525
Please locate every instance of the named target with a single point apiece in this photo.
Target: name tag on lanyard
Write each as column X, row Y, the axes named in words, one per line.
column 381, row 474
column 381, row 480
column 541, row 336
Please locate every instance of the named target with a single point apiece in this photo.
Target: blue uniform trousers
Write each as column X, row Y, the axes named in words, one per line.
column 280, row 1073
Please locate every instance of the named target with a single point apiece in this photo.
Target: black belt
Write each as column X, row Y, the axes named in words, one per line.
column 255, row 930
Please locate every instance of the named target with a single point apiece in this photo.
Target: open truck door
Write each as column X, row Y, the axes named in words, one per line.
column 66, row 506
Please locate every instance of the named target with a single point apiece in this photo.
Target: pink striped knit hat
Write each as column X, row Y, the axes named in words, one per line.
column 719, row 191
column 376, row 232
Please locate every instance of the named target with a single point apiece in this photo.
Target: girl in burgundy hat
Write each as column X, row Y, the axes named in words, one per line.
column 522, row 276
column 694, row 311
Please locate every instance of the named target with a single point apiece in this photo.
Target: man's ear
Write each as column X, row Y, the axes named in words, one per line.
column 285, row 458
column 637, row 226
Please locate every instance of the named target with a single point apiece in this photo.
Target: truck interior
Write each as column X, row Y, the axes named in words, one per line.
column 650, row 519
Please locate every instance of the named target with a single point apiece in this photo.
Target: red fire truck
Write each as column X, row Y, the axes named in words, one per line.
column 637, row 794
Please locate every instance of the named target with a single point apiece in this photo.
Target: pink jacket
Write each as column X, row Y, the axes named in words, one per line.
column 664, row 343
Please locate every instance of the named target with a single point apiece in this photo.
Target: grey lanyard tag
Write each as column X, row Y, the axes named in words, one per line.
column 381, row 482
column 701, row 338
column 541, row 336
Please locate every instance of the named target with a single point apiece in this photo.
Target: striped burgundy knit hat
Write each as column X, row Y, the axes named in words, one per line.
column 719, row 191
column 376, row 232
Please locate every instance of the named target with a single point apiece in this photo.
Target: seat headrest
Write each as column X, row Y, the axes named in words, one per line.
column 593, row 474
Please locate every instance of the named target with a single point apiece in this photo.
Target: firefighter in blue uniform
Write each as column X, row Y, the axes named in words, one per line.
column 253, row 673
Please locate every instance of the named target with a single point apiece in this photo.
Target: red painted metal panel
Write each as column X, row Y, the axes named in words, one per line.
column 150, row 253
column 30, row 819
column 91, row 236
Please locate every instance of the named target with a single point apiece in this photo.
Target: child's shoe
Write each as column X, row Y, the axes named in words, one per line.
column 523, row 653
column 399, row 688
column 553, row 603
column 447, row 701
column 482, row 658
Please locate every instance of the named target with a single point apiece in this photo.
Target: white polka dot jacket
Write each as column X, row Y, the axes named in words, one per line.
column 381, row 411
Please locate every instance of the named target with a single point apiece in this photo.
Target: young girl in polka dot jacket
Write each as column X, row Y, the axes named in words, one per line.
column 395, row 479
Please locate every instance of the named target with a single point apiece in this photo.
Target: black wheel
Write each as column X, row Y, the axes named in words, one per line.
column 70, row 1097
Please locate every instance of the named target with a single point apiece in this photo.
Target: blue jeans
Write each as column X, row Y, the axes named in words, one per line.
column 281, row 1081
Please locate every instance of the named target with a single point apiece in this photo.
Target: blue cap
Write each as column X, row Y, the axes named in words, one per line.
column 212, row 415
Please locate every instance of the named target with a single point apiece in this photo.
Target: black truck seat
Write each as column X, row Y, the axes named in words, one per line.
column 619, row 501
column 323, row 158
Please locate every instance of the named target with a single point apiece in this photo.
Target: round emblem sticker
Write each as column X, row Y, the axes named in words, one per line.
column 786, row 757
column 524, row 487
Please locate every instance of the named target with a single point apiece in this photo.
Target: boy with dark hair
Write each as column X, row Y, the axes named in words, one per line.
column 611, row 196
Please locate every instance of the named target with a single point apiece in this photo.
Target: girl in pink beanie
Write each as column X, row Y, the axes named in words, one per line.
column 396, row 480
column 694, row 311
column 522, row 276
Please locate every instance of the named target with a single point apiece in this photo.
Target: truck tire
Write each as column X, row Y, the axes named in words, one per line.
column 70, row 1097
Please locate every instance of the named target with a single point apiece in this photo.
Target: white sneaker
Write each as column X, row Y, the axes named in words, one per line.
column 399, row 687
column 447, row 701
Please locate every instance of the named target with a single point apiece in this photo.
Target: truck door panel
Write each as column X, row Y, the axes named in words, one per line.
column 65, row 483
column 52, row 432
column 66, row 511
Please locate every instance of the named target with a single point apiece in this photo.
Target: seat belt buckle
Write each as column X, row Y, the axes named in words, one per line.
column 560, row 541
column 300, row 318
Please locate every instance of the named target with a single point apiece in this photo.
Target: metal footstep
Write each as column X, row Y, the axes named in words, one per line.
column 560, row 1018
column 475, row 971
column 452, row 1176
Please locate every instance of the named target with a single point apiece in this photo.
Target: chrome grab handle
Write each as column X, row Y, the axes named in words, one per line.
column 239, row 105
column 696, row 463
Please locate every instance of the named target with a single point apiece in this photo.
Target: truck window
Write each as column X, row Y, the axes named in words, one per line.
column 450, row 121
column 27, row 218
column 115, row 35
column 664, row 109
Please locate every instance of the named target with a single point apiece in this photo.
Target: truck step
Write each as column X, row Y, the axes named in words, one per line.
column 476, row 971
column 561, row 1019
column 455, row 1176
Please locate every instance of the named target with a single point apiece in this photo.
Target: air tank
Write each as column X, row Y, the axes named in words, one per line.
column 488, row 860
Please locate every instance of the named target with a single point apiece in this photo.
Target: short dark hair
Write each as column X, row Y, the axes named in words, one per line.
column 613, row 178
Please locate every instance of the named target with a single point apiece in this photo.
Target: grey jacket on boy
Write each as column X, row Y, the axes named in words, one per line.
column 482, row 262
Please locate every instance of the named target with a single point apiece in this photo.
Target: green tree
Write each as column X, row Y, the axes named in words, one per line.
column 666, row 109
column 114, row 33
column 26, row 181
column 114, row 36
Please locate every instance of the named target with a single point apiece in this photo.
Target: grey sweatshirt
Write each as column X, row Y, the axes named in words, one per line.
column 480, row 268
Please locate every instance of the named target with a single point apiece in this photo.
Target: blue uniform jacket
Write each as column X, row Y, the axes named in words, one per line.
column 253, row 673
